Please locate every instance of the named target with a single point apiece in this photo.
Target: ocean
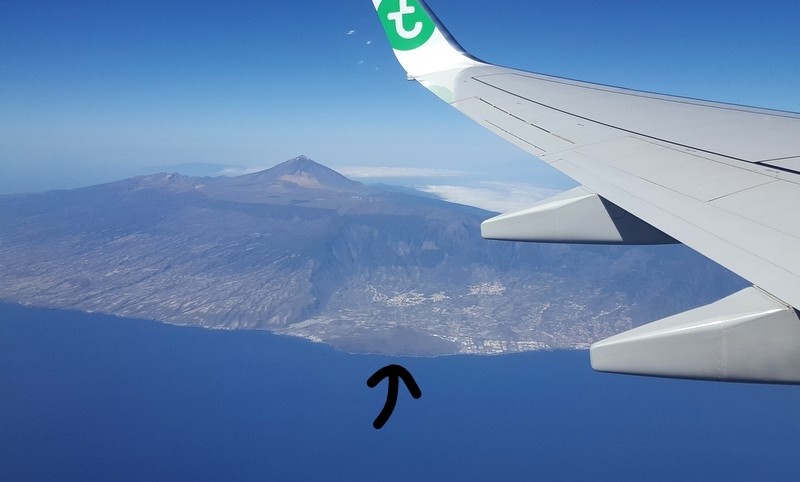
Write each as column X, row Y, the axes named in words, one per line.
column 94, row 397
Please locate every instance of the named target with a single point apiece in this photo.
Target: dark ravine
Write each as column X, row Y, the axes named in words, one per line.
column 299, row 249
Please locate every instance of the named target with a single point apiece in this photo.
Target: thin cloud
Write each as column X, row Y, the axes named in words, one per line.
column 351, row 32
column 365, row 172
column 493, row 196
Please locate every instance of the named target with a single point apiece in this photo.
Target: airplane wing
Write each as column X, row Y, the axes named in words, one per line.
column 722, row 179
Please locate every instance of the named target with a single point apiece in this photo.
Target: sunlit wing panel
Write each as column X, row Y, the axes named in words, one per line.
column 739, row 213
column 722, row 179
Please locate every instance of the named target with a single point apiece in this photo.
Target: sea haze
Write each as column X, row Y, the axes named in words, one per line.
column 93, row 397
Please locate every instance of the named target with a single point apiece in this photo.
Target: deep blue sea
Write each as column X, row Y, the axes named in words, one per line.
column 93, row 397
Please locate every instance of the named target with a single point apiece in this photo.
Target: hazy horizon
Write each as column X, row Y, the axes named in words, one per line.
column 98, row 93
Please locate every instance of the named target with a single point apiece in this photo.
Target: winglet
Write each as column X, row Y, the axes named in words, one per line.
column 421, row 43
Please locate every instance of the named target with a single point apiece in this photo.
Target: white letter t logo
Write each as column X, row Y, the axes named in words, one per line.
column 397, row 17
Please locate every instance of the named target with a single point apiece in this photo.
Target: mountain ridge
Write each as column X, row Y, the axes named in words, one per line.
column 363, row 270
column 303, row 172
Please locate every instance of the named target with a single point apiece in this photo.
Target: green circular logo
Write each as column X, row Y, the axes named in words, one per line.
column 407, row 24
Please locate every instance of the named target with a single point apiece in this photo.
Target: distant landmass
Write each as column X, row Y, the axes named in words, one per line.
column 301, row 250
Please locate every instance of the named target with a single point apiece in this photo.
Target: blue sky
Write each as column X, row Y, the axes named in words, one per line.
column 94, row 91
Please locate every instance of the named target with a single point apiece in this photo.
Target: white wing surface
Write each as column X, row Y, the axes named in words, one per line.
column 722, row 179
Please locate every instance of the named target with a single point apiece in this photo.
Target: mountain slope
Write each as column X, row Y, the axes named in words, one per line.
column 302, row 250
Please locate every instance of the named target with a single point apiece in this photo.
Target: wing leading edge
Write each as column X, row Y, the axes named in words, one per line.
column 720, row 178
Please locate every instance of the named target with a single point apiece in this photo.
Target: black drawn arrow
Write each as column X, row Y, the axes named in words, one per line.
column 393, row 372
